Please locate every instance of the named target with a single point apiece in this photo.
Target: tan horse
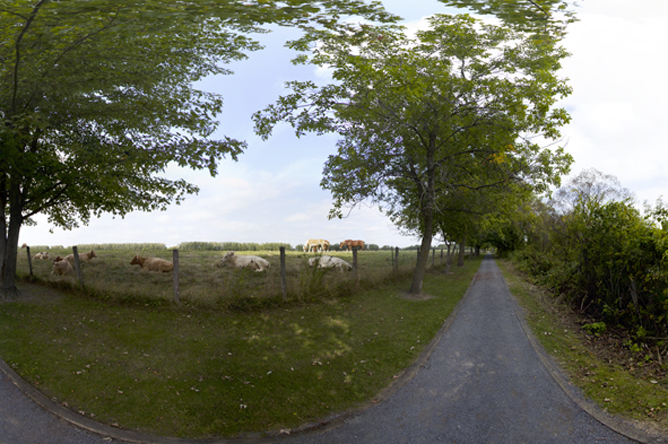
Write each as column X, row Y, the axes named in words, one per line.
column 350, row 244
column 316, row 244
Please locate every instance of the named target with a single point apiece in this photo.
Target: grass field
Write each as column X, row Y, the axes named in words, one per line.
column 111, row 276
column 210, row 368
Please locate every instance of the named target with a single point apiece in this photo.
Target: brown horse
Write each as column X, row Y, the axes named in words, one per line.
column 350, row 244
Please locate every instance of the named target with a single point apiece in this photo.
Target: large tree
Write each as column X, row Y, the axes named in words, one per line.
column 422, row 117
column 97, row 98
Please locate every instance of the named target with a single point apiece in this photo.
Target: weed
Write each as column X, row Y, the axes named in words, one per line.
column 595, row 328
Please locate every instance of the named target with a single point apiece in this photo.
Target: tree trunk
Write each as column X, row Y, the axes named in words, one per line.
column 10, row 241
column 423, row 257
column 448, row 258
column 421, row 266
column 462, row 251
column 427, row 213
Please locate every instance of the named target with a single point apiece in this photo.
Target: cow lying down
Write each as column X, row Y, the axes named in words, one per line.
column 61, row 267
column 41, row 255
column 330, row 262
column 84, row 257
column 251, row 262
column 152, row 263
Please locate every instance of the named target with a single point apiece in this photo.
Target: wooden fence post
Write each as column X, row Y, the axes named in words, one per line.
column 396, row 260
column 77, row 266
column 29, row 260
column 433, row 256
column 355, row 262
column 284, row 283
column 175, row 275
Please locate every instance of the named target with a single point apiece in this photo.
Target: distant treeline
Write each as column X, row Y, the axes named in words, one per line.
column 207, row 246
column 233, row 246
column 136, row 247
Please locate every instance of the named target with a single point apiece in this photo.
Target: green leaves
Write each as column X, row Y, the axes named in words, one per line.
column 97, row 98
column 427, row 124
column 94, row 92
column 545, row 19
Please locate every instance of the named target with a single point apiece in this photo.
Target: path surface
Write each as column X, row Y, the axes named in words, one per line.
column 483, row 383
column 22, row 421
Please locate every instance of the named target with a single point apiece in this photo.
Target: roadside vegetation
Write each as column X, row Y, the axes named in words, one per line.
column 627, row 381
column 208, row 369
column 600, row 301
column 593, row 249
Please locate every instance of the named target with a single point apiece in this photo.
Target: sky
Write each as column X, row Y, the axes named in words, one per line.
column 273, row 193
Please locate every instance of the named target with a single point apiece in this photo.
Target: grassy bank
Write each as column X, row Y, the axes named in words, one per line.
column 191, row 371
column 598, row 367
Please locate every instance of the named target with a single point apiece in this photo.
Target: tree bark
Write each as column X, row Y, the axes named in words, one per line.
column 427, row 210
column 462, row 251
column 10, row 238
column 448, row 258
column 10, row 241
column 423, row 258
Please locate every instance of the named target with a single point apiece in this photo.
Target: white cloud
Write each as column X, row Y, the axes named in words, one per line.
column 617, row 106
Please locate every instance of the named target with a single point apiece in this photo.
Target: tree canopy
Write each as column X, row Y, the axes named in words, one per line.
column 97, row 98
column 544, row 18
column 456, row 109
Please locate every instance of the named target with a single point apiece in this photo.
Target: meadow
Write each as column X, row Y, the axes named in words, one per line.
column 123, row 354
column 202, row 283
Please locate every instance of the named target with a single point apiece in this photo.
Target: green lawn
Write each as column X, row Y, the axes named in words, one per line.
column 203, row 370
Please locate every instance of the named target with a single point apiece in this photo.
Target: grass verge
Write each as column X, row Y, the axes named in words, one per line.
column 641, row 398
column 192, row 372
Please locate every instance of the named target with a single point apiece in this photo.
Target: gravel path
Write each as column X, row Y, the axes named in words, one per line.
column 483, row 383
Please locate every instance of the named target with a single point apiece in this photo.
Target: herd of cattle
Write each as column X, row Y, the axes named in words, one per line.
column 63, row 265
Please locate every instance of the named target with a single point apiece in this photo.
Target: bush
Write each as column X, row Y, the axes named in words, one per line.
column 608, row 261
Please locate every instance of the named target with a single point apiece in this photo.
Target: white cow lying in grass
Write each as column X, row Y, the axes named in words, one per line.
column 330, row 262
column 85, row 257
column 152, row 264
column 61, row 267
column 252, row 262
column 41, row 255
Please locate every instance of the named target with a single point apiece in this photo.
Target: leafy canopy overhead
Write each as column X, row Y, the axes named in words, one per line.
column 471, row 96
column 460, row 108
column 97, row 97
column 546, row 18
